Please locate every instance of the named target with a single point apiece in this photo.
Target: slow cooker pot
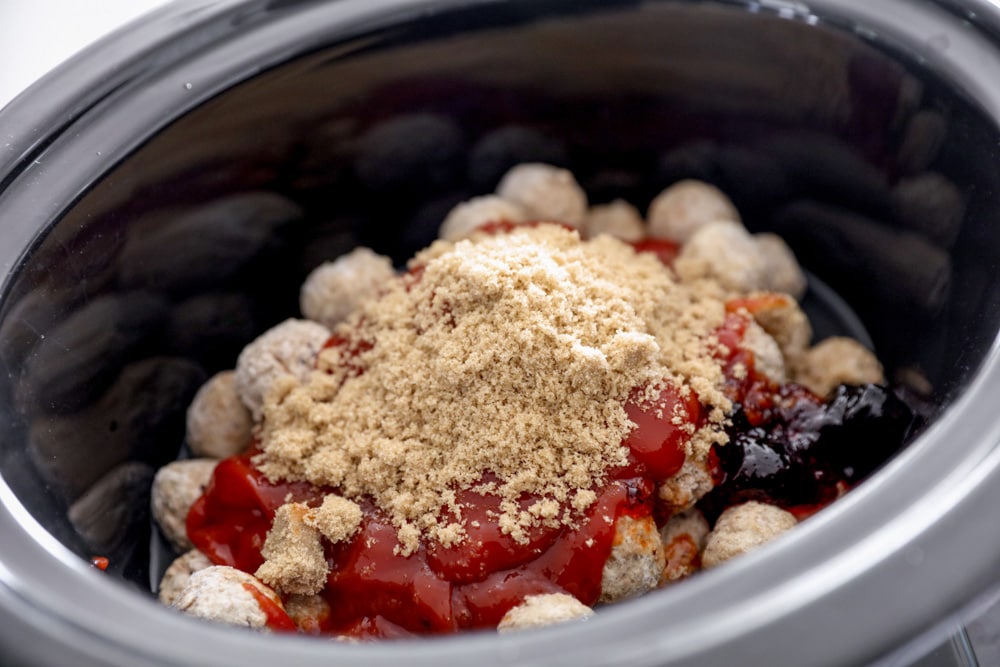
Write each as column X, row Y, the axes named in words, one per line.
column 163, row 195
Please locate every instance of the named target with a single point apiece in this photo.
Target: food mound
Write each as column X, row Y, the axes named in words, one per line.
column 529, row 421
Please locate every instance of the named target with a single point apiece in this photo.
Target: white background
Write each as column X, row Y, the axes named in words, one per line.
column 36, row 35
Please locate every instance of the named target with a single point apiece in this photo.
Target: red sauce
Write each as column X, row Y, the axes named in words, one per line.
column 658, row 440
column 682, row 556
column 373, row 591
column 666, row 251
column 506, row 226
column 229, row 522
column 277, row 619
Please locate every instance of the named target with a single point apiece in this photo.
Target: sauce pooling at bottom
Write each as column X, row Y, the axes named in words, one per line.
column 373, row 591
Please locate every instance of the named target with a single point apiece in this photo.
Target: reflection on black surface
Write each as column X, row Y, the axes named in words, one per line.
column 140, row 417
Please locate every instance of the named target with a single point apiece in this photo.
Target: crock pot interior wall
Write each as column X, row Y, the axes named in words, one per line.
column 198, row 241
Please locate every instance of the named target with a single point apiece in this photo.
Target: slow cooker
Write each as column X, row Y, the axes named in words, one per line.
column 163, row 194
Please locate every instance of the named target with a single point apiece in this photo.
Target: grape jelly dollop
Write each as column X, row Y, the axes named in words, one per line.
column 801, row 454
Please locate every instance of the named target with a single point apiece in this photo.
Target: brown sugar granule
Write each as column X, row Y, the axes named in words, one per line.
column 336, row 518
column 511, row 355
column 293, row 553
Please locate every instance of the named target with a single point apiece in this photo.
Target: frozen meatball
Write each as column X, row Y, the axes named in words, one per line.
column 686, row 206
column 538, row 611
column 683, row 538
column 835, row 361
column 289, row 348
column 308, row 612
column 723, row 251
column 545, row 193
column 218, row 594
column 619, row 219
column 467, row 216
column 333, row 290
column 782, row 318
column 175, row 488
column 178, row 573
column 743, row 528
column 218, row 424
column 768, row 359
column 782, row 272
column 687, row 487
column 636, row 560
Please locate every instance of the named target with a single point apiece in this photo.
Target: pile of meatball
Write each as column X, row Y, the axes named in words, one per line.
column 713, row 243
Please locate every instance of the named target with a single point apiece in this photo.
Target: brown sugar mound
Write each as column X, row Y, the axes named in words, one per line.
column 512, row 355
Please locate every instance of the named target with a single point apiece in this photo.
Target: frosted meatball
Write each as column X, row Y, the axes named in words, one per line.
column 538, row 611
column 686, row 487
column 462, row 220
column 782, row 271
column 545, row 193
column 175, row 488
column 782, row 318
column 725, row 252
column 618, row 219
column 289, row 348
column 683, row 538
column 768, row 359
column 743, row 528
column 218, row 424
column 308, row 612
column 636, row 560
column 178, row 573
column 835, row 361
column 217, row 594
column 333, row 290
column 686, row 206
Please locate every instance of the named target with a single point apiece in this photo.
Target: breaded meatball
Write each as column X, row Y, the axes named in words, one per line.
column 782, row 318
column 178, row 573
column 175, row 488
column 743, row 528
column 619, row 219
column 218, row 424
column 835, row 361
column 467, row 216
column 767, row 355
column 545, row 193
column 687, row 487
column 636, row 560
column 726, row 252
column 309, row 612
column 290, row 348
column 782, row 272
column 333, row 290
column 683, row 538
column 218, row 594
column 538, row 611
column 686, row 206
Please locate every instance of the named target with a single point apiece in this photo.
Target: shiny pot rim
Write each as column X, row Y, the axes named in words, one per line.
column 904, row 539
